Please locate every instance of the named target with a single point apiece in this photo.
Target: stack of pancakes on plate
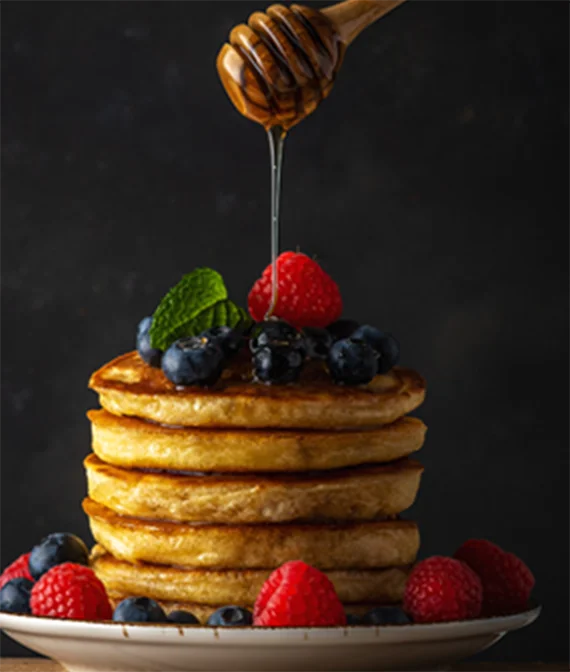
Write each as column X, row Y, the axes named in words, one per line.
column 197, row 494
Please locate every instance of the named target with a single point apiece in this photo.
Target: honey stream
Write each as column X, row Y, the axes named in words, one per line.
column 276, row 136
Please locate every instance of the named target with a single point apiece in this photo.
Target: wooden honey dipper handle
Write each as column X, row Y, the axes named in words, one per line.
column 351, row 17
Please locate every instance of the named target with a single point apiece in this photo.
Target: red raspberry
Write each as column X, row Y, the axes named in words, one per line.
column 442, row 589
column 507, row 581
column 298, row 595
column 18, row 569
column 70, row 591
column 307, row 296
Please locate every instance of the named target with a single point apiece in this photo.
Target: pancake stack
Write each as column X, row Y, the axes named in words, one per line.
column 196, row 495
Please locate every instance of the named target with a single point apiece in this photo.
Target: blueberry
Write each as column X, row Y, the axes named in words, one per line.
column 386, row 616
column 148, row 354
column 228, row 339
column 352, row 619
column 139, row 610
column 15, row 596
column 277, row 364
column 180, row 616
column 193, row 361
column 275, row 332
column 54, row 550
column 230, row 616
column 352, row 362
column 385, row 344
column 318, row 342
column 342, row 329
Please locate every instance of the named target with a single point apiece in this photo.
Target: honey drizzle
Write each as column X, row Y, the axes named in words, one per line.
column 276, row 136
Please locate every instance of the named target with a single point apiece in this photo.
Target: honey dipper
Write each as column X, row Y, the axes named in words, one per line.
column 283, row 63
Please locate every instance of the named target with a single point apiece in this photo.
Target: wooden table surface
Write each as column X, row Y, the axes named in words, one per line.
column 42, row 665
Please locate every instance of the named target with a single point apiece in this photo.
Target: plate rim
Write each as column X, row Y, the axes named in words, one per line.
column 162, row 633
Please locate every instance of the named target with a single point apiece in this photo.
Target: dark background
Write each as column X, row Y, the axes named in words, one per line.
column 432, row 185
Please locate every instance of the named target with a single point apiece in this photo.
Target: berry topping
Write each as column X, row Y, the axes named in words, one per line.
column 442, row 589
column 148, row 354
column 56, row 549
column 70, row 591
column 298, row 595
column 193, row 361
column 227, row 617
column 181, row 616
column 352, row 362
column 384, row 344
column 306, row 295
column 228, row 339
column 386, row 616
column 277, row 364
column 139, row 610
column 342, row 329
column 507, row 581
column 18, row 569
column 198, row 301
column 318, row 342
column 276, row 332
column 15, row 596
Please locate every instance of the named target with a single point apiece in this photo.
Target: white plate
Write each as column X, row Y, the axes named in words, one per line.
column 82, row 646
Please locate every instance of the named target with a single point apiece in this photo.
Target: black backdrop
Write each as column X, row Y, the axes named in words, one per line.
column 432, row 185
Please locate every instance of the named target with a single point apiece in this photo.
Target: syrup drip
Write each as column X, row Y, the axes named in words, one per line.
column 276, row 136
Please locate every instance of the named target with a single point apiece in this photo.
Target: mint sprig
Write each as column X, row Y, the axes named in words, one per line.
column 198, row 302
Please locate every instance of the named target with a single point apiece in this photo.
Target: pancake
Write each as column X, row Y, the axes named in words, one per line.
column 130, row 442
column 222, row 587
column 358, row 493
column 128, row 386
column 362, row 545
column 204, row 611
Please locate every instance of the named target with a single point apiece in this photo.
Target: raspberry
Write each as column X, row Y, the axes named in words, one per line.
column 71, row 591
column 298, row 595
column 507, row 581
column 18, row 569
column 306, row 297
column 442, row 589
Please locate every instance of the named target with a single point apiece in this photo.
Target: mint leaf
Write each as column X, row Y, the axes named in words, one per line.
column 198, row 302
column 223, row 313
column 196, row 292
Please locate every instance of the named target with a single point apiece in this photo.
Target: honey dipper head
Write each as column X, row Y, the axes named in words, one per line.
column 278, row 67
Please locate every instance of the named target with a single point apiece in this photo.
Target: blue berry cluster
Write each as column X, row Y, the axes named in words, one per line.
column 15, row 596
column 353, row 353
column 193, row 360
column 356, row 358
column 278, row 352
column 55, row 549
column 380, row 616
column 145, row 610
